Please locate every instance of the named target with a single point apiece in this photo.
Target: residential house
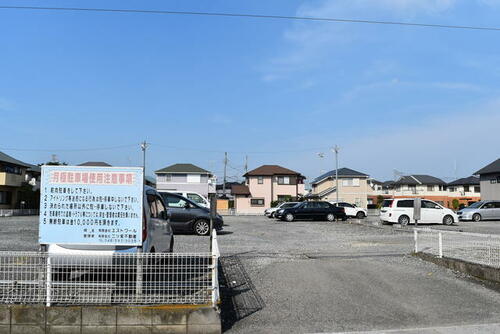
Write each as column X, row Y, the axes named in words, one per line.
column 264, row 185
column 489, row 180
column 353, row 187
column 185, row 177
column 225, row 192
column 466, row 190
column 12, row 177
column 422, row 186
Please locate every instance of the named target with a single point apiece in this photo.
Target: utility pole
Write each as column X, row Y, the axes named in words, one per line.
column 246, row 164
column 225, row 167
column 144, row 146
column 336, row 150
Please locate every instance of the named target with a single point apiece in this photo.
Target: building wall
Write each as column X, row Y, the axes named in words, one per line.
column 179, row 182
column 13, row 200
column 489, row 190
column 259, row 191
column 356, row 194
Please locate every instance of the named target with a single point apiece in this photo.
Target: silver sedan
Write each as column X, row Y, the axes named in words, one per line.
column 482, row 210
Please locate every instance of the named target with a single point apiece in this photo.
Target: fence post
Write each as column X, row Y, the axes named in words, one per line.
column 440, row 244
column 415, row 237
column 489, row 250
column 49, row 281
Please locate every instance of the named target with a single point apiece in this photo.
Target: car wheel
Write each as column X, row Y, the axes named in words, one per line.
column 476, row 217
column 330, row 217
column 360, row 215
column 201, row 227
column 448, row 220
column 289, row 217
column 404, row 220
column 271, row 215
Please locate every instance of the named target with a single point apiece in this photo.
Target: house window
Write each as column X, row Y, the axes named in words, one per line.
column 283, row 180
column 466, row 189
column 257, row 202
column 477, row 189
column 355, row 182
column 347, row 182
column 430, row 188
column 168, row 177
column 493, row 181
column 193, row 178
column 451, row 189
column 260, row 179
column 413, row 189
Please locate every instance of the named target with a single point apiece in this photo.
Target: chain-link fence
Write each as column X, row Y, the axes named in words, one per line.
column 472, row 247
column 138, row 279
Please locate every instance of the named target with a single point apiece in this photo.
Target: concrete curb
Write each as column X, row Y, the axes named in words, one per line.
column 476, row 270
column 185, row 319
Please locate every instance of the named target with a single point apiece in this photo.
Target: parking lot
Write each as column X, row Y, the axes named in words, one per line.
column 325, row 277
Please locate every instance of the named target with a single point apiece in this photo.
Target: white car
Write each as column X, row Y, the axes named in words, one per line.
column 272, row 211
column 193, row 196
column 400, row 210
column 351, row 210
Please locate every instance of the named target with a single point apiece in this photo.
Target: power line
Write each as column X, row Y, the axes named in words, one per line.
column 257, row 16
column 66, row 150
column 237, row 152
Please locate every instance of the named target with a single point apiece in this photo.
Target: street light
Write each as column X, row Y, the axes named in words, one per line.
column 336, row 150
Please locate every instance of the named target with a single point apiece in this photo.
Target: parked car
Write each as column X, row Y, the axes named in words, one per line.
column 193, row 196
column 400, row 210
column 482, row 210
column 313, row 210
column 351, row 210
column 157, row 234
column 188, row 216
column 271, row 211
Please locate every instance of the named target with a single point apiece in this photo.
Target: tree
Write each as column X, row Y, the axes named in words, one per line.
column 380, row 200
column 455, row 203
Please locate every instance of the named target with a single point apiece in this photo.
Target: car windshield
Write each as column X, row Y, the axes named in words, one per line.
column 475, row 205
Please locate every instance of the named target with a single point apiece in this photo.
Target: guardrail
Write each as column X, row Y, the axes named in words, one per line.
column 477, row 248
column 138, row 279
column 18, row 212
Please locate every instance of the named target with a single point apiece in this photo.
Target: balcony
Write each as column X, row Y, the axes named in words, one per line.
column 11, row 180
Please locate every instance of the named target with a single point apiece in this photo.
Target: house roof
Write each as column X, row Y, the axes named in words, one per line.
column 494, row 167
column 183, row 168
column 376, row 182
column 343, row 172
column 10, row 160
column 270, row 170
column 34, row 168
column 150, row 179
column 240, row 189
column 474, row 180
column 419, row 179
column 95, row 163
column 229, row 185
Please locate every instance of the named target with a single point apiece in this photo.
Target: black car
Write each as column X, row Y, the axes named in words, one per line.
column 314, row 210
column 187, row 216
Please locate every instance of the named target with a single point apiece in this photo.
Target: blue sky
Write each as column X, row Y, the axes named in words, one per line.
column 418, row 100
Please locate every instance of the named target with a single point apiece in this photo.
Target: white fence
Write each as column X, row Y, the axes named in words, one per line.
column 18, row 212
column 138, row 279
column 471, row 247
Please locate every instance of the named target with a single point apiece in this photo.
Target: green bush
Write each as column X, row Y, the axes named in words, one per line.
column 455, row 204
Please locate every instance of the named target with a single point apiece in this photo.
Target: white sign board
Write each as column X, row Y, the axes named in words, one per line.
column 91, row 205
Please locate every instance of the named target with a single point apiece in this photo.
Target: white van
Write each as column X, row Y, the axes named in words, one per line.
column 193, row 196
column 400, row 210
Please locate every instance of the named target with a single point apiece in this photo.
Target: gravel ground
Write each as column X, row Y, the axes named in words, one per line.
column 324, row 277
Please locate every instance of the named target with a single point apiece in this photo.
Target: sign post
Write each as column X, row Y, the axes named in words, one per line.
column 417, row 206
